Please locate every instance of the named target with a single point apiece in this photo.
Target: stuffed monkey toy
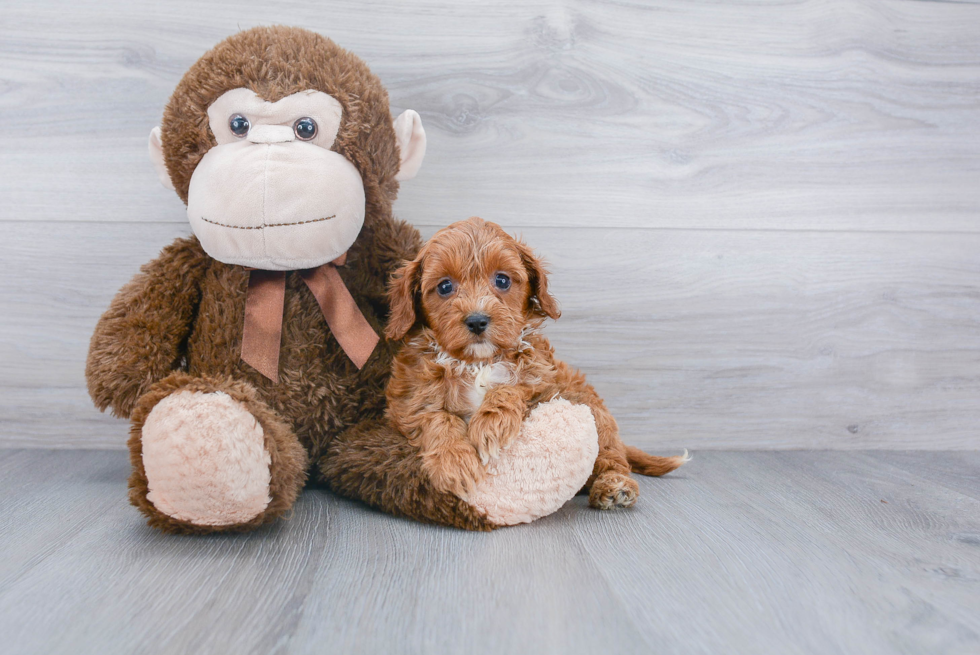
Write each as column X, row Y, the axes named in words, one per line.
column 247, row 357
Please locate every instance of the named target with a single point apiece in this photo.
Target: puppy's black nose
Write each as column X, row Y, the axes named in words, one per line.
column 477, row 323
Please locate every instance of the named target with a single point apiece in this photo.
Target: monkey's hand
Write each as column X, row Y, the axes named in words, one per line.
column 497, row 422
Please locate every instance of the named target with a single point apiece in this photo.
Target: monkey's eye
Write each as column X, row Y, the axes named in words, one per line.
column 305, row 129
column 502, row 281
column 445, row 287
column 239, row 125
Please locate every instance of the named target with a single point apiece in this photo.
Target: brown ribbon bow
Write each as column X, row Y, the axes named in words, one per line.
column 263, row 316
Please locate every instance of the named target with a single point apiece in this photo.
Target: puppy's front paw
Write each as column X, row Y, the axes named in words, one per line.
column 491, row 432
column 454, row 469
column 613, row 489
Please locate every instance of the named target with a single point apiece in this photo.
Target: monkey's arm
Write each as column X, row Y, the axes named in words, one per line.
column 142, row 337
column 373, row 463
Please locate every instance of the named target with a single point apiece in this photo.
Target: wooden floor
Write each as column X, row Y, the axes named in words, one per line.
column 741, row 552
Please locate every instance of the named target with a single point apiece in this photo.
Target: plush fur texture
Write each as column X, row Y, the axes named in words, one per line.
column 473, row 268
column 375, row 464
column 546, row 465
column 287, row 459
column 205, row 459
column 177, row 326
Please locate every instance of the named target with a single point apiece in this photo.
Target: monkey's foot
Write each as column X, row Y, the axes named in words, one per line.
column 543, row 467
column 207, row 462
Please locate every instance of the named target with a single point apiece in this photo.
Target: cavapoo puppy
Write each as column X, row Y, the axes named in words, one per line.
column 474, row 363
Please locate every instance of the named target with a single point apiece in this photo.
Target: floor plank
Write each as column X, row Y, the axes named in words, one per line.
column 739, row 552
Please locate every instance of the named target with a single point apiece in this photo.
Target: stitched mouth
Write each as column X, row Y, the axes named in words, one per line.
column 262, row 227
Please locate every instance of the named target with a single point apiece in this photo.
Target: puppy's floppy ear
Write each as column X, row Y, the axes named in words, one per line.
column 403, row 291
column 542, row 302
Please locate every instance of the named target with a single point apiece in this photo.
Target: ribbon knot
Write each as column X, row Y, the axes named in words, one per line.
column 264, row 303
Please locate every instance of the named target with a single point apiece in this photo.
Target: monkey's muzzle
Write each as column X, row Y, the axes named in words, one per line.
column 275, row 205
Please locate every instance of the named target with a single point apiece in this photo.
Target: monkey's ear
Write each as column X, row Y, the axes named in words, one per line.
column 542, row 302
column 411, row 144
column 156, row 156
column 402, row 291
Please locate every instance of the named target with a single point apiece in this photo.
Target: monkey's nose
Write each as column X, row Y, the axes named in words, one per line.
column 270, row 134
column 477, row 323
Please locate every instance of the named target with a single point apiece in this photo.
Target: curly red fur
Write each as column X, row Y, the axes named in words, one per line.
column 433, row 396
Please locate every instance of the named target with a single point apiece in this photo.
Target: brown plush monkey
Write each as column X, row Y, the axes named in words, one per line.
column 246, row 356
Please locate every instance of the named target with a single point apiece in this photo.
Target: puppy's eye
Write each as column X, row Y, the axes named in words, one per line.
column 239, row 125
column 502, row 281
column 445, row 287
column 305, row 129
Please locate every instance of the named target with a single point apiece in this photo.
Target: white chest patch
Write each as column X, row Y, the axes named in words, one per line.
column 479, row 378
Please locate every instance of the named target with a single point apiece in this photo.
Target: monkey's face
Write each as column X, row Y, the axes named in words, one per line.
column 272, row 194
column 278, row 139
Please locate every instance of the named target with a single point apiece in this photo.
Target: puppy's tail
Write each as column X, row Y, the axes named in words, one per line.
column 645, row 464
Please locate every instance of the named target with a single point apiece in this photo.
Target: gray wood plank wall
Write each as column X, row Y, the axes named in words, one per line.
column 763, row 218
